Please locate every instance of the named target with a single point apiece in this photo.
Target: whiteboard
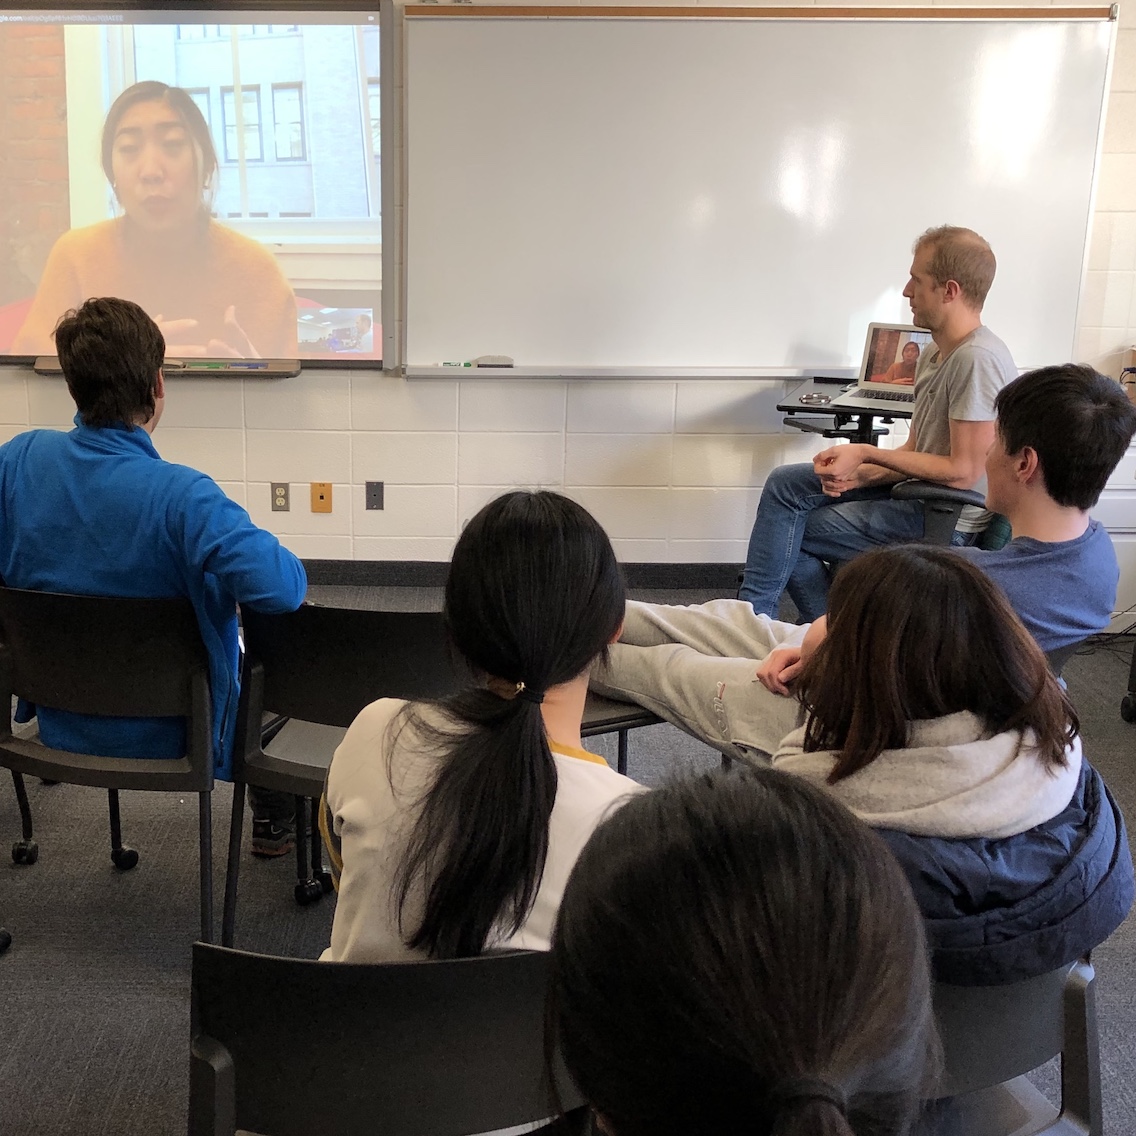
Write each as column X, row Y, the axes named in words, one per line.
column 590, row 194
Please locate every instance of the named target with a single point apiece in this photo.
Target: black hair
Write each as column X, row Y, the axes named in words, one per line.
column 110, row 352
column 725, row 937
column 534, row 595
column 149, row 91
column 1078, row 421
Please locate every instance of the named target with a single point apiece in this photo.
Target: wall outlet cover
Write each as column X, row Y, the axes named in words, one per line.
column 281, row 496
column 374, row 495
column 321, row 496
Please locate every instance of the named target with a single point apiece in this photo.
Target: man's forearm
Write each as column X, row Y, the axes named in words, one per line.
column 899, row 464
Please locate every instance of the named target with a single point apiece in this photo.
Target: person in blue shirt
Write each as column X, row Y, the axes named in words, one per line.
column 97, row 511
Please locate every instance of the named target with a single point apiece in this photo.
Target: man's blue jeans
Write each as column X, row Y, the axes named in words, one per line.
column 799, row 531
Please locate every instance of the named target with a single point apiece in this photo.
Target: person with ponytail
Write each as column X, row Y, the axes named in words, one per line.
column 452, row 826
column 738, row 954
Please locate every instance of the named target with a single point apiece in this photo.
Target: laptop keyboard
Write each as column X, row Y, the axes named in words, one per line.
column 887, row 396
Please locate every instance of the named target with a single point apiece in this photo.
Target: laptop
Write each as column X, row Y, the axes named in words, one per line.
column 887, row 371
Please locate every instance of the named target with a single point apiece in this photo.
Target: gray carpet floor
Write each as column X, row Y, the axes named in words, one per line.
column 94, row 992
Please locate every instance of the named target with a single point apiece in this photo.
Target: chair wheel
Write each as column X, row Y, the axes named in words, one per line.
column 123, row 858
column 326, row 883
column 5, row 941
column 1128, row 707
column 307, row 892
column 25, row 852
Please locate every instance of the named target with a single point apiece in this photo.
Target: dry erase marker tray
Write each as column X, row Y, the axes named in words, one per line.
column 202, row 368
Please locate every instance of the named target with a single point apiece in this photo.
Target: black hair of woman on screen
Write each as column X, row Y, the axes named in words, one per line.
column 468, row 813
column 212, row 291
column 737, row 954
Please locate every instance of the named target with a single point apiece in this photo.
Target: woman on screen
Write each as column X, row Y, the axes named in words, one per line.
column 213, row 291
column 902, row 371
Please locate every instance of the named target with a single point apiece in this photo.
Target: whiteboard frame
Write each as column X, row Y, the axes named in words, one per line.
column 394, row 175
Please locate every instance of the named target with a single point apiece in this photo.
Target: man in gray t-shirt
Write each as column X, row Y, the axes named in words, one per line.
column 812, row 515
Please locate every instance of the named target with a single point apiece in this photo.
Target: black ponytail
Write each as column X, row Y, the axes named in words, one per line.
column 534, row 595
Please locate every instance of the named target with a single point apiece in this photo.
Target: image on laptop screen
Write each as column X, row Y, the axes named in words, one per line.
column 891, row 354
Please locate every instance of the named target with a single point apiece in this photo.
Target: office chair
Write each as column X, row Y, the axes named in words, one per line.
column 296, row 1047
column 942, row 506
column 108, row 656
column 993, row 1035
column 307, row 674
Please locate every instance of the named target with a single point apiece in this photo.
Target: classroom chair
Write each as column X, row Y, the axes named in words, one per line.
column 307, row 674
column 942, row 505
column 108, row 656
column 993, row 1035
column 296, row 1047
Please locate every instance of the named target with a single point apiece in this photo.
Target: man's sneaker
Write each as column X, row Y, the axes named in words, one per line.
column 272, row 838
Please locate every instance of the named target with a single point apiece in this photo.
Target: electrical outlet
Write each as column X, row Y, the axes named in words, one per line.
column 321, row 496
column 374, row 494
column 281, row 497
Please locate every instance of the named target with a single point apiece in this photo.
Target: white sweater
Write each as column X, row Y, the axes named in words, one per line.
column 372, row 820
column 950, row 781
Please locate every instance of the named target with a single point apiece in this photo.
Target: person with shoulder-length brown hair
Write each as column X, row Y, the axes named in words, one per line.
column 932, row 714
column 921, row 643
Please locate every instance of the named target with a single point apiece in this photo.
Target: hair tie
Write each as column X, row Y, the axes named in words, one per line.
column 510, row 690
column 801, row 1089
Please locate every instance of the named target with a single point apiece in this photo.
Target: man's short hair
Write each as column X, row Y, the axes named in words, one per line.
column 963, row 256
column 110, row 352
column 1078, row 421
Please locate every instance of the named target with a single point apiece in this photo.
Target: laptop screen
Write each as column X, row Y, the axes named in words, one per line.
column 891, row 354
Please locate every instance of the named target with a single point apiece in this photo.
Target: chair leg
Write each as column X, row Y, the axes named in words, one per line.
column 5, row 940
column 621, row 752
column 318, row 873
column 205, row 851
column 121, row 856
column 24, row 851
column 308, row 887
column 233, row 864
column 1080, row 1058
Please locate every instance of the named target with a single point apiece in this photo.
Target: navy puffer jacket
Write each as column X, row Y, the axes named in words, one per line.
column 998, row 911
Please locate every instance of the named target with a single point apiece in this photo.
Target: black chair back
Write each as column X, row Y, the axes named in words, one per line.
column 324, row 664
column 295, row 1047
column 105, row 655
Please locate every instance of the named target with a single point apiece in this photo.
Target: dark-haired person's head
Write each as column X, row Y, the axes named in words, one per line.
column 738, row 954
column 534, row 592
column 917, row 633
column 1076, row 421
column 534, row 596
column 111, row 354
column 158, row 155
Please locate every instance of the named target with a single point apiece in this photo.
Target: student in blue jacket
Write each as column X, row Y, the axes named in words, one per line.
column 931, row 713
column 97, row 511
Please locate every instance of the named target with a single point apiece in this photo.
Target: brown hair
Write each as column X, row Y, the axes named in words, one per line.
column 110, row 352
column 915, row 633
column 963, row 256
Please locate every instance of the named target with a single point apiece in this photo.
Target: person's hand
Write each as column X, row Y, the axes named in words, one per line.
column 236, row 344
column 174, row 332
column 838, row 462
column 779, row 668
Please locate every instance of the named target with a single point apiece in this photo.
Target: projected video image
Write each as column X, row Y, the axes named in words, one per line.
column 894, row 355
column 225, row 176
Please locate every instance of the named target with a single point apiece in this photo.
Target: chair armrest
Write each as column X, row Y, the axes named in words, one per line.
column 915, row 490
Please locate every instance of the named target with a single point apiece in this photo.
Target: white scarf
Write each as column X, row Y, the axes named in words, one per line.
column 950, row 781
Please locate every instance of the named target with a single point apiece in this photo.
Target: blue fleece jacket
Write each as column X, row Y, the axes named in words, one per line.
column 98, row 512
